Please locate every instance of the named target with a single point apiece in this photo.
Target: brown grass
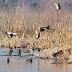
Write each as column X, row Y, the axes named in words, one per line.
column 26, row 22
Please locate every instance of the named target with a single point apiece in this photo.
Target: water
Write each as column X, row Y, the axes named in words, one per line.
column 19, row 64
column 36, row 66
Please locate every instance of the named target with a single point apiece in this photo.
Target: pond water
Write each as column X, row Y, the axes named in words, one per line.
column 19, row 64
column 35, row 66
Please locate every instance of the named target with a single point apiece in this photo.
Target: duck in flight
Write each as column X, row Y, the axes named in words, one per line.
column 11, row 34
column 58, row 6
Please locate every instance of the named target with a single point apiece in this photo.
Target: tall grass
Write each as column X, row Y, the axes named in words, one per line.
column 26, row 21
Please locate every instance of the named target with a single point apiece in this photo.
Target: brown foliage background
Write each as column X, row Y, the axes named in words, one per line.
column 25, row 20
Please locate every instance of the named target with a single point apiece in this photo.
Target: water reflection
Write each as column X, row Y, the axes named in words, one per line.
column 19, row 64
column 23, row 66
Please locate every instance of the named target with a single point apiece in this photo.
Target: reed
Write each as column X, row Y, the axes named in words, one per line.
column 25, row 22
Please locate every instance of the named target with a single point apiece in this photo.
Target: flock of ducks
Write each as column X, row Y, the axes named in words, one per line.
column 37, row 34
column 11, row 34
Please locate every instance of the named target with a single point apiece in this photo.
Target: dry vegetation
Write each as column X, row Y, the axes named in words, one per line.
column 26, row 21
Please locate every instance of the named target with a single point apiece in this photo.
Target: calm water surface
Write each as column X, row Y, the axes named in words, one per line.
column 19, row 64
column 37, row 66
